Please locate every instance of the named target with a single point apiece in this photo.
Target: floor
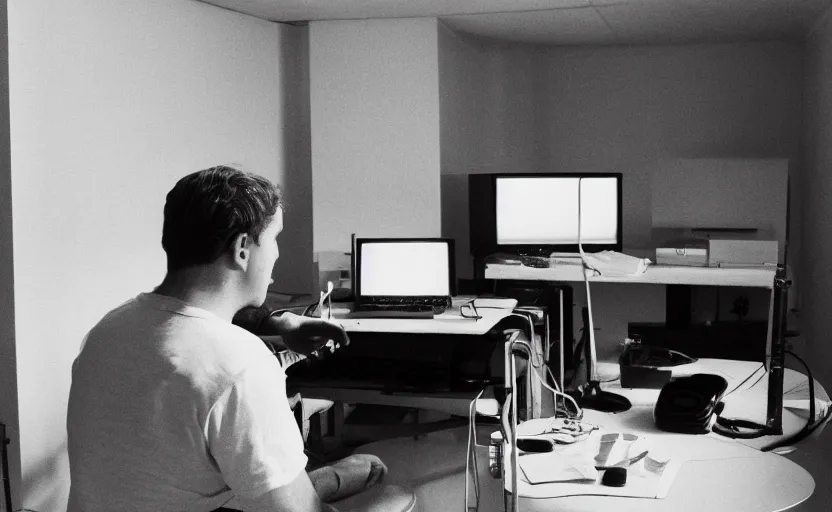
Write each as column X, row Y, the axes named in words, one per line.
column 816, row 457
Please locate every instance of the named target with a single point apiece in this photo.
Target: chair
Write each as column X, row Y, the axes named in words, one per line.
column 381, row 498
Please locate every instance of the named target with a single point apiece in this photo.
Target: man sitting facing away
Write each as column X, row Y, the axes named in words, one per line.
column 172, row 407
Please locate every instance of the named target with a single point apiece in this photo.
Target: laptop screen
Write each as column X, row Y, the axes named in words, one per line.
column 399, row 267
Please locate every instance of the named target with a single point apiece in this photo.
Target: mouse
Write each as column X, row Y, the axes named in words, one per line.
column 614, row 477
column 534, row 445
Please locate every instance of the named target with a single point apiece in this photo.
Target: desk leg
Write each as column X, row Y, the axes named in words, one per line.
column 561, row 341
column 335, row 423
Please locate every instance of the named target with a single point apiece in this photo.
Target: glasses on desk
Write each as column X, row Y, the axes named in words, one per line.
column 469, row 310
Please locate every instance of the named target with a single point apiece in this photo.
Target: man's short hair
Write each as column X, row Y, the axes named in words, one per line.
column 206, row 210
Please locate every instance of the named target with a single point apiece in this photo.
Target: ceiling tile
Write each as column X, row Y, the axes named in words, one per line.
column 558, row 26
column 572, row 22
column 682, row 21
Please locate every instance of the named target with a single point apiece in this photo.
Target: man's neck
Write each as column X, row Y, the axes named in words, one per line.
column 204, row 288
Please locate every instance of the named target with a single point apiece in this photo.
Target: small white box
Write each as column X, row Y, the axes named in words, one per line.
column 688, row 253
column 739, row 253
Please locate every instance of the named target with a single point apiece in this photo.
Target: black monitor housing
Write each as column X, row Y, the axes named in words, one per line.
column 484, row 191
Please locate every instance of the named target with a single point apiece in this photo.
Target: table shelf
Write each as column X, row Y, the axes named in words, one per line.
column 755, row 277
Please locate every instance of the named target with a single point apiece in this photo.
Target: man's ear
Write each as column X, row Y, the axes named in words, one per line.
column 241, row 251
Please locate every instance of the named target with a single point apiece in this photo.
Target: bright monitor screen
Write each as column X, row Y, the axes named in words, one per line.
column 543, row 210
column 404, row 268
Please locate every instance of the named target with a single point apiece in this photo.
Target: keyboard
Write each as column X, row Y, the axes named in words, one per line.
column 387, row 302
column 413, row 308
column 391, row 313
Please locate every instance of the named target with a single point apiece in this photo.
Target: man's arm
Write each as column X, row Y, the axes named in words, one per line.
column 296, row 496
column 302, row 334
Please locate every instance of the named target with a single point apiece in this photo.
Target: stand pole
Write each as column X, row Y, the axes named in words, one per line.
column 777, row 357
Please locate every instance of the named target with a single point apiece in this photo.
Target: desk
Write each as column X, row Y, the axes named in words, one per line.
column 751, row 481
column 356, row 391
column 760, row 277
column 744, row 402
column 747, row 481
column 717, row 473
column 721, row 475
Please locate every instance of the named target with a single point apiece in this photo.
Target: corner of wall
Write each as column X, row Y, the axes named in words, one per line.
column 8, row 361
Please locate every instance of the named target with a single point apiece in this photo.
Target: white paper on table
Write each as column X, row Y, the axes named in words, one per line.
column 802, row 405
column 560, row 473
column 541, row 468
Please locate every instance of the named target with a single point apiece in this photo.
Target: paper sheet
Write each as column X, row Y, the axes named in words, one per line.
column 569, row 470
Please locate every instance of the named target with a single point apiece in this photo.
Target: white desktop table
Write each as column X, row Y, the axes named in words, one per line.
column 756, row 277
column 719, row 474
column 455, row 403
column 740, row 480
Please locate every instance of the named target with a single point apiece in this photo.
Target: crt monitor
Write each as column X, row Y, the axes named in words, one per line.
column 538, row 214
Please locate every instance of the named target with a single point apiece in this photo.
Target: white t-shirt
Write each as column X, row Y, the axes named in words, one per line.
column 175, row 409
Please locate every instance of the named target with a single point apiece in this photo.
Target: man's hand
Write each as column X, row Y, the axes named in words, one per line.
column 304, row 334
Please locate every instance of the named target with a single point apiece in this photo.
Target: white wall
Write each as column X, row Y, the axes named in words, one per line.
column 111, row 102
column 526, row 108
column 616, row 109
column 816, row 193
column 489, row 121
column 814, row 190
column 375, row 130
column 295, row 272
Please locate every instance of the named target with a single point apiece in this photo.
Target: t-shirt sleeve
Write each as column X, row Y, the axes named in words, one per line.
column 252, row 434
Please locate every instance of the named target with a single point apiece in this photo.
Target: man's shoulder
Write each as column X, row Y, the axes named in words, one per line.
column 187, row 335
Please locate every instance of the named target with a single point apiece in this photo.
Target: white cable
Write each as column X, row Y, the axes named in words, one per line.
column 556, row 394
column 554, row 381
column 515, row 493
column 533, row 352
column 472, row 436
column 593, row 357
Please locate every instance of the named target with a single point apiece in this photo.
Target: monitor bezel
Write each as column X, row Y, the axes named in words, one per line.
column 359, row 244
column 546, row 249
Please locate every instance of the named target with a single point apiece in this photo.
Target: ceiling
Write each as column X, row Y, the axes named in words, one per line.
column 572, row 22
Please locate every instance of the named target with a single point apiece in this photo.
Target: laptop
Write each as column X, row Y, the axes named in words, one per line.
column 403, row 277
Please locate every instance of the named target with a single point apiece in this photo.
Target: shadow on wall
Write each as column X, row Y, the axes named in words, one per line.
column 454, row 201
column 294, row 272
column 42, row 486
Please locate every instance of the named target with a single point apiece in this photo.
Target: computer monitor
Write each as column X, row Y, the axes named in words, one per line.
column 404, row 267
column 538, row 213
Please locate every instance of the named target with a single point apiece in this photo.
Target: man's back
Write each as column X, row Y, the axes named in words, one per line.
column 171, row 408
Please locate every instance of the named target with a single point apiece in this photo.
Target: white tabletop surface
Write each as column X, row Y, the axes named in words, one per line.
column 451, row 321
column 716, row 473
column 728, row 477
column 762, row 277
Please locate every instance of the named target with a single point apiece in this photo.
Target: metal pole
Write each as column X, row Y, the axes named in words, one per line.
column 774, row 410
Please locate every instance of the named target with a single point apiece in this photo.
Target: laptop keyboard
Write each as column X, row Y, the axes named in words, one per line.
column 398, row 307
column 410, row 304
